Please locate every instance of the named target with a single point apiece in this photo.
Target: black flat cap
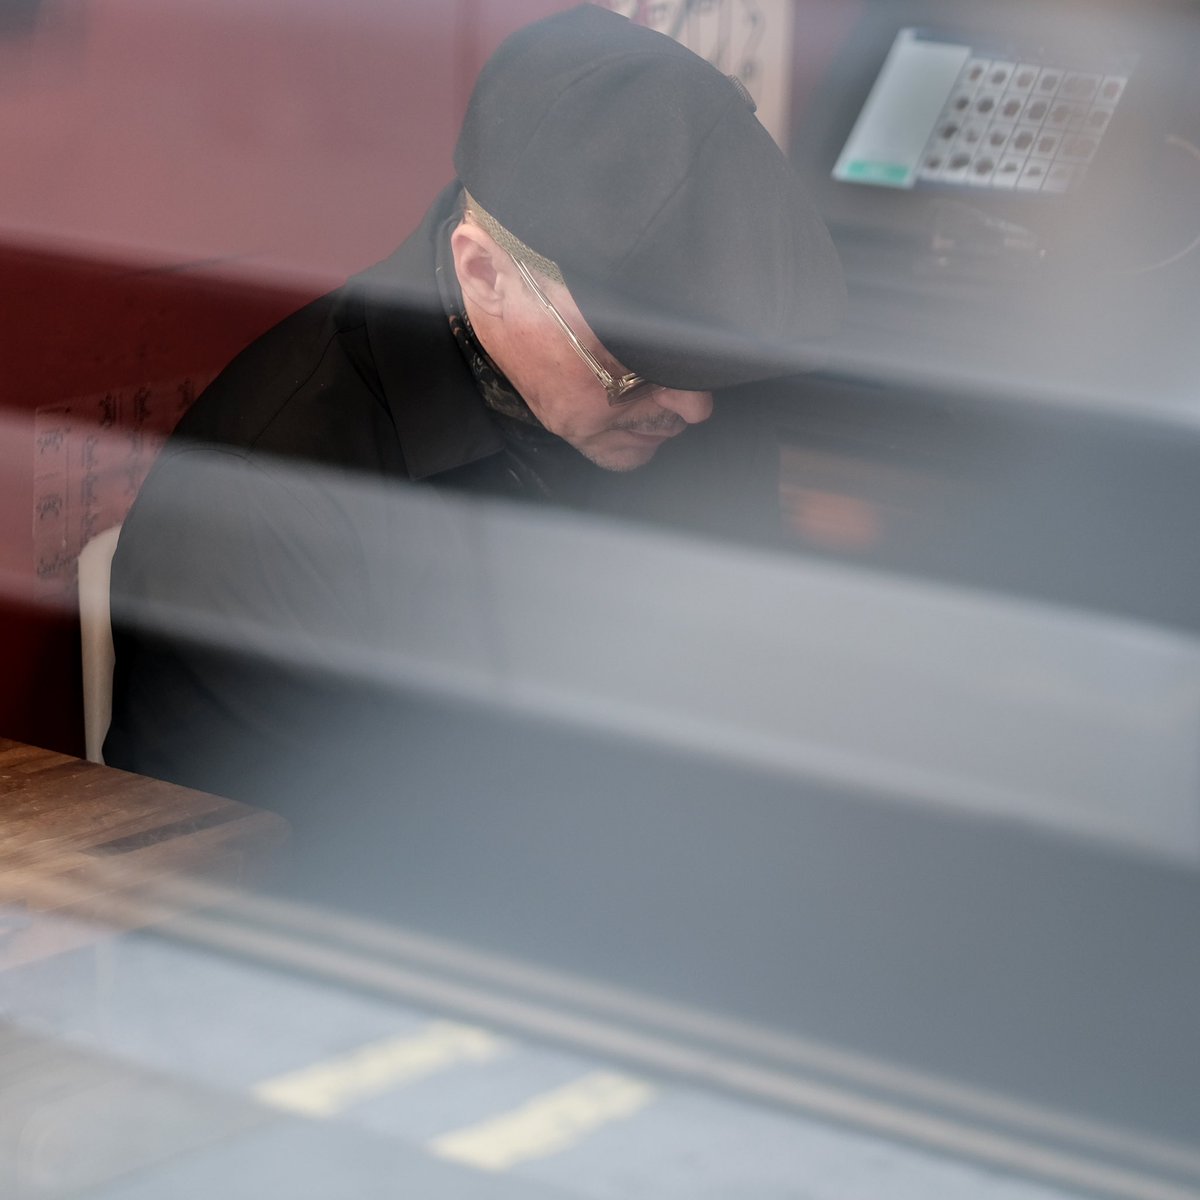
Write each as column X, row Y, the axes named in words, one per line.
column 681, row 229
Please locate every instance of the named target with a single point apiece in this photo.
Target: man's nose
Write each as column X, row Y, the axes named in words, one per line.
column 693, row 407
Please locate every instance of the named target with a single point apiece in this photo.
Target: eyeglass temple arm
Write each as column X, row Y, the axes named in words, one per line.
column 610, row 382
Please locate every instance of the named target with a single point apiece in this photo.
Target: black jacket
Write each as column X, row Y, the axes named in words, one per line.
column 278, row 564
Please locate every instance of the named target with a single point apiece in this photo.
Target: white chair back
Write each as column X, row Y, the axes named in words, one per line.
column 95, row 628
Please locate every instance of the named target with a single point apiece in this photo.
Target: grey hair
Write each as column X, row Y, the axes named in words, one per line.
column 509, row 242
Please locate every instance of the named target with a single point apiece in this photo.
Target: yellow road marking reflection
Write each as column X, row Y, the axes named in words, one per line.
column 546, row 1124
column 331, row 1086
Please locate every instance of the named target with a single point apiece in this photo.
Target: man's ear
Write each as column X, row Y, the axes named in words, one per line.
column 481, row 267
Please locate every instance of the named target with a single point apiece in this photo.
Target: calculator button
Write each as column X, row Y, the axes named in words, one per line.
column 982, row 167
column 1024, row 77
column 998, row 137
column 975, row 70
column 931, row 166
column 929, row 174
column 1060, row 177
column 1007, row 172
column 1079, row 147
column 1079, row 87
column 1048, row 82
column 1046, row 145
column 1033, row 176
column 1064, row 115
column 999, row 74
column 956, row 166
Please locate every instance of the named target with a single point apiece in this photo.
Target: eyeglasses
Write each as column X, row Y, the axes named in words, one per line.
column 623, row 390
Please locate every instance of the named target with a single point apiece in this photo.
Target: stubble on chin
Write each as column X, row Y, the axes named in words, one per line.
column 620, row 460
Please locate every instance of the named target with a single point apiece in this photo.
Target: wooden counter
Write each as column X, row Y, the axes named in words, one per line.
column 87, row 850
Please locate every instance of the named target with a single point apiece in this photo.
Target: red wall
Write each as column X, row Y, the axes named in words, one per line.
column 177, row 176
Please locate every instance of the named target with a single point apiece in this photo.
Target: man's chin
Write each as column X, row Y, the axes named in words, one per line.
column 621, row 458
column 623, row 449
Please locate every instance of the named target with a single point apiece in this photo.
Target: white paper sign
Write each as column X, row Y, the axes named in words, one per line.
column 751, row 39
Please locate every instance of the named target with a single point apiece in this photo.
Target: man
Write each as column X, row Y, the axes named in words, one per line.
column 623, row 241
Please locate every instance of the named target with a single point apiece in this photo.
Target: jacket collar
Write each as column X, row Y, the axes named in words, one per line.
column 435, row 405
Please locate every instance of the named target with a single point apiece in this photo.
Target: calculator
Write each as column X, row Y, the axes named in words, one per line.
column 942, row 113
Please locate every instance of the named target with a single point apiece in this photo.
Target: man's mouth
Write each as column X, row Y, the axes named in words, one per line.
column 660, row 431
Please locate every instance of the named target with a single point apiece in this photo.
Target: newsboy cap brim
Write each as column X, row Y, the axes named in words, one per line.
column 682, row 231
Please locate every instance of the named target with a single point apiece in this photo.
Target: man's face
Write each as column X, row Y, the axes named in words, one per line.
column 570, row 401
